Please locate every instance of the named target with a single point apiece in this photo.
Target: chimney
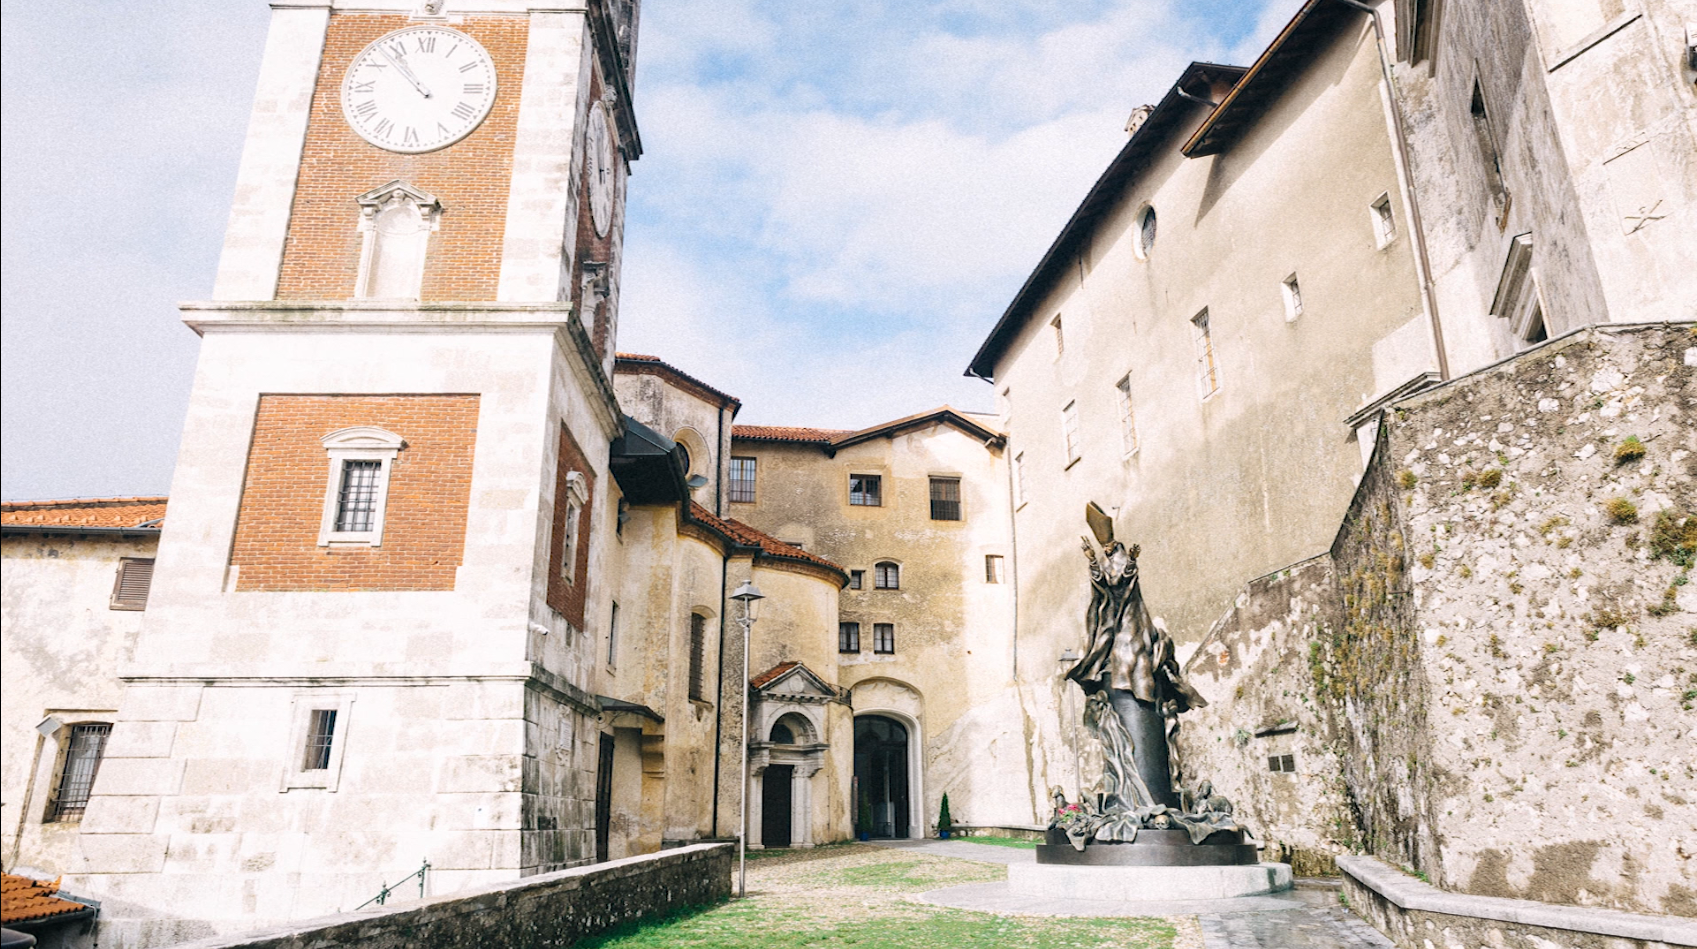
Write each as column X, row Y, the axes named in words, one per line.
column 1139, row 115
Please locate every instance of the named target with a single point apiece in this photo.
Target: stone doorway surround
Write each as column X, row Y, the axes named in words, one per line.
column 894, row 699
column 788, row 703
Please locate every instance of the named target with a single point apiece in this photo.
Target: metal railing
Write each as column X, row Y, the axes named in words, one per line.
column 383, row 895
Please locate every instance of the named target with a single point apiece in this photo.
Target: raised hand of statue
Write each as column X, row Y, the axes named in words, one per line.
column 1089, row 549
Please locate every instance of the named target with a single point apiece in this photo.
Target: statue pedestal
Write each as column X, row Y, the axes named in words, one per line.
column 1134, row 883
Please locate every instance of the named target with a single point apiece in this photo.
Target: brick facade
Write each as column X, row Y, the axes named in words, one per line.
column 565, row 596
column 276, row 543
column 470, row 177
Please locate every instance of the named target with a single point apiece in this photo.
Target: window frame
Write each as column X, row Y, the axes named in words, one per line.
column 874, row 498
column 1207, row 361
column 848, row 634
column 296, row 777
column 1072, row 437
column 1018, row 474
column 735, row 484
column 58, row 811
column 356, row 444
column 1291, row 289
column 959, row 502
column 127, row 566
column 571, row 527
column 995, row 567
column 1383, row 217
column 1146, row 229
column 613, row 636
column 1060, row 336
column 878, row 573
column 697, row 657
column 883, row 639
column 1129, row 441
column 857, row 580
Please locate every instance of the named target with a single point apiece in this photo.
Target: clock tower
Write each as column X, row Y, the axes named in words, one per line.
column 375, row 610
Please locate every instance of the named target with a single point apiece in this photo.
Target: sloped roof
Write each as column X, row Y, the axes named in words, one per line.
column 833, row 439
column 641, row 363
column 1137, row 154
column 741, row 534
column 142, row 514
column 773, row 674
column 23, row 899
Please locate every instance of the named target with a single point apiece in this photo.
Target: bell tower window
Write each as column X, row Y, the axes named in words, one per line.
column 357, row 491
column 395, row 225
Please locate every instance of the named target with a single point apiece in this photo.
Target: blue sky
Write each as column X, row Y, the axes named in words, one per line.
column 836, row 202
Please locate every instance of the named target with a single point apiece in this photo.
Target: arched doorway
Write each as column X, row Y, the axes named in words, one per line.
column 881, row 773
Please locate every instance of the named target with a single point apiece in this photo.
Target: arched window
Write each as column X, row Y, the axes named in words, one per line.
column 886, row 576
column 697, row 657
column 781, row 734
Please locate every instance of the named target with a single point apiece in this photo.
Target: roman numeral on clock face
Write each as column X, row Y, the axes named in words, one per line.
column 464, row 110
column 427, row 44
column 474, row 88
column 381, row 129
column 359, row 87
column 468, row 67
column 410, row 136
column 366, row 109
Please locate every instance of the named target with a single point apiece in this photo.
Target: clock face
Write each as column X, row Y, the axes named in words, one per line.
column 418, row 89
column 600, row 161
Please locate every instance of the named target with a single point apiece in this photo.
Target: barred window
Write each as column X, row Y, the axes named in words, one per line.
column 697, row 657
column 82, row 762
column 135, row 578
column 742, row 480
column 857, row 579
column 945, row 499
column 884, row 638
column 1128, row 416
column 1019, row 480
column 848, row 637
column 320, row 733
column 866, row 490
column 1069, row 431
column 613, row 637
column 886, row 576
column 992, row 568
column 1207, row 372
column 356, row 502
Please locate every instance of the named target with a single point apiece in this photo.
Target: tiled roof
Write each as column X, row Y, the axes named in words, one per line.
column 640, row 362
column 84, row 512
column 769, row 675
column 788, row 433
column 22, row 899
column 749, row 537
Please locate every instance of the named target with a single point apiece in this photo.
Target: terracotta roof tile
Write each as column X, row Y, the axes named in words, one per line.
column 769, row 675
column 22, row 898
column 83, row 512
column 965, row 421
column 788, row 433
column 749, row 537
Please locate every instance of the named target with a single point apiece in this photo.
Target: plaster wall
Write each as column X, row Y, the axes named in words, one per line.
column 1226, row 487
column 954, row 631
column 61, row 653
column 700, row 425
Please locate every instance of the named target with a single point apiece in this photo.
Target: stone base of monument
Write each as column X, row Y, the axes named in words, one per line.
column 1153, row 848
column 1130, row 883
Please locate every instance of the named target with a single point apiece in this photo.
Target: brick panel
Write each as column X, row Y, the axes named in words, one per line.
column 568, row 597
column 471, row 177
column 282, row 507
column 590, row 245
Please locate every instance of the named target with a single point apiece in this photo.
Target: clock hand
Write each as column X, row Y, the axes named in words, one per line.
column 406, row 70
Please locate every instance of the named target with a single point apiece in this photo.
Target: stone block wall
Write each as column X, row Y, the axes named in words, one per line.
column 553, row 909
column 1499, row 694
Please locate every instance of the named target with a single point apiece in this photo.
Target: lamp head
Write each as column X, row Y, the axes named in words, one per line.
column 749, row 596
column 696, row 482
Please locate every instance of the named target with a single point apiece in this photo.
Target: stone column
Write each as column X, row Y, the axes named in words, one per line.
column 801, row 804
column 756, row 783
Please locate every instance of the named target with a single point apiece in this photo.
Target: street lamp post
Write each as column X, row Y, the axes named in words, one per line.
column 749, row 596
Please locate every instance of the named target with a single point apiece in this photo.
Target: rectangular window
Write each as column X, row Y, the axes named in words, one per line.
column 1060, row 336
column 848, row 637
column 613, row 636
column 135, row 578
column 886, row 576
column 884, row 638
column 857, row 579
column 945, row 499
column 1207, row 373
column 320, row 734
column 1069, row 431
column 1384, row 225
column 992, row 568
column 82, row 763
column 742, row 480
column 1128, row 418
column 1293, row 298
column 1019, row 480
column 697, row 657
column 1282, row 763
column 866, row 490
column 356, row 501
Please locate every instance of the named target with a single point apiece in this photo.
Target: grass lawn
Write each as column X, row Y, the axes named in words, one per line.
column 1018, row 842
column 861, row 896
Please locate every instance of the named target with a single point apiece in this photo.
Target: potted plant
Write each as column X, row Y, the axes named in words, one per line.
column 945, row 823
column 863, row 819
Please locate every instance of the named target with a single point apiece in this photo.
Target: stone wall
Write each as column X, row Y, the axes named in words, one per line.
column 553, row 909
column 1499, row 692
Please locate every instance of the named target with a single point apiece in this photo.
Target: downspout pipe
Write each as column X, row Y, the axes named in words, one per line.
column 1422, row 262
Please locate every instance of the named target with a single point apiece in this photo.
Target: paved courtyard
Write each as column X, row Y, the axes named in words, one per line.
column 913, row 894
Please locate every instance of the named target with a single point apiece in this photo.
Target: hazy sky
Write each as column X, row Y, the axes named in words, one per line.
column 836, row 202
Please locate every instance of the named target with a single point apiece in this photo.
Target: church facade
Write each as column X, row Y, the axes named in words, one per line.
column 444, row 578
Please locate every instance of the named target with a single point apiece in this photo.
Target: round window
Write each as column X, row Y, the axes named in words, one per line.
column 689, row 464
column 1145, row 232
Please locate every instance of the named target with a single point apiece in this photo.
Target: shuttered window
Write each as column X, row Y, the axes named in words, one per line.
column 945, row 499
column 135, row 578
column 697, row 657
column 82, row 763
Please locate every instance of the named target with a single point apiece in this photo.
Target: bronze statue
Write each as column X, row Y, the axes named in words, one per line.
column 1134, row 692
